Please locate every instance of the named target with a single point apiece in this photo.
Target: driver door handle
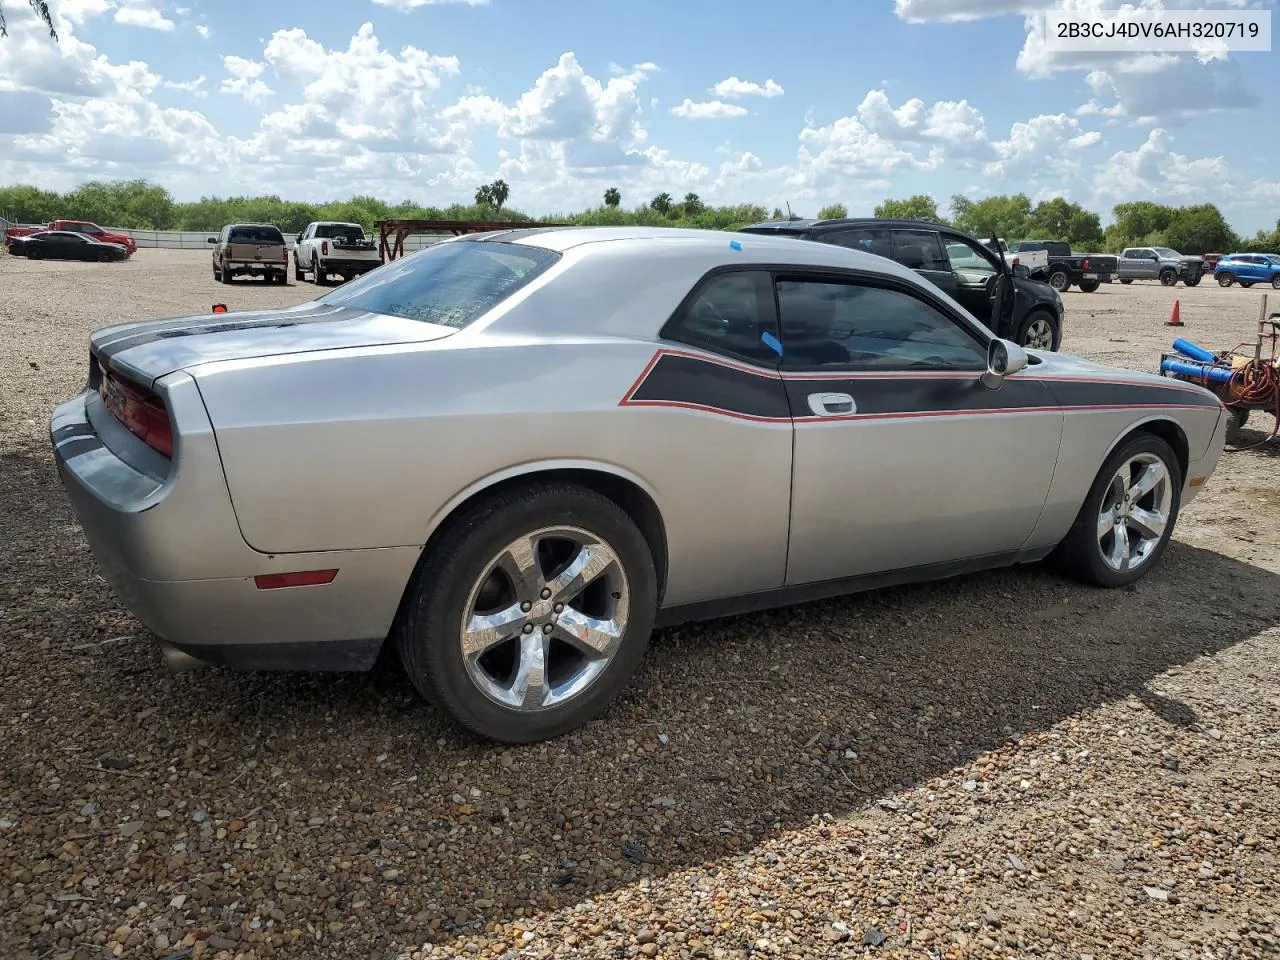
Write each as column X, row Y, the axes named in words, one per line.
column 832, row 404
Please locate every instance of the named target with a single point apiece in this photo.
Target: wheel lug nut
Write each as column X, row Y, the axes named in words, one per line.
column 546, row 594
column 528, row 628
column 526, row 606
column 547, row 629
column 558, row 607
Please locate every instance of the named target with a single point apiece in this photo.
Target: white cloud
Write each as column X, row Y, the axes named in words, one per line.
column 952, row 11
column 195, row 87
column 734, row 88
column 144, row 13
column 1154, row 171
column 946, row 121
column 203, row 30
column 80, row 11
column 243, row 80
column 1047, row 145
column 708, row 110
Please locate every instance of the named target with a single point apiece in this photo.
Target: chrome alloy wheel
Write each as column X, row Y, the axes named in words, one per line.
column 1135, row 512
column 1039, row 335
column 545, row 618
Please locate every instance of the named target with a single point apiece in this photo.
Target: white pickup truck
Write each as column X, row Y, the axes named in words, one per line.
column 1036, row 261
column 327, row 247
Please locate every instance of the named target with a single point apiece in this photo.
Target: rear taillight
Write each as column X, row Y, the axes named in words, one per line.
column 141, row 411
column 1015, row 262
column 1084, row 264
column 324, row 247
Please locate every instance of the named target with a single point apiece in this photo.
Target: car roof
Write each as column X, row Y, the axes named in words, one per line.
column 732, row 246
column 842, row 223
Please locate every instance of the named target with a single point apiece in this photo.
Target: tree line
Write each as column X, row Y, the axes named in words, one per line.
column 137, row 204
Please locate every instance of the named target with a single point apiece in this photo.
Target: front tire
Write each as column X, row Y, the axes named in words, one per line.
column 1168, row 278
column 1039, row 330
column 1125, row 523
column 1192, row 282
column 1225, row 279
column 1127, row 282
column 530, row 612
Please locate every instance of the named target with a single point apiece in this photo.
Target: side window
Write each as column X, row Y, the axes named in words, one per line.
column 919, row 250
column 856, row 326
column 730, row 313
column 868, row 240
column 969, row 262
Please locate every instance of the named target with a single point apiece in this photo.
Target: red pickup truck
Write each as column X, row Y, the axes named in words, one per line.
column 77, row 226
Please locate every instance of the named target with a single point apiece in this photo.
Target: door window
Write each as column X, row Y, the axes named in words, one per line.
column 920, row 250
column 968, row 262
column 730, row 313
column 867, row 239
column 857, row 325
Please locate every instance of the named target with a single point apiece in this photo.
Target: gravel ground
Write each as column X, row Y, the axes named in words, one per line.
column 1008, row 765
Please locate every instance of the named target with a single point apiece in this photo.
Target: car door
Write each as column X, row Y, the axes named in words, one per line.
column 1130, row 264
column 902, row 459
column 974, row 269
column 1150, row 264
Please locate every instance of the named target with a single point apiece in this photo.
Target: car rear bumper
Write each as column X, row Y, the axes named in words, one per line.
column 346, row 265
column 171, row 550
column 259, row 266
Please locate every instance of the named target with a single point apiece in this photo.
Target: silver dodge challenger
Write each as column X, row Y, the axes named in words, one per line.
column 512, row 454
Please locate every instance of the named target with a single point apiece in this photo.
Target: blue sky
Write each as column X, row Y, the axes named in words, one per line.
column 811, row 103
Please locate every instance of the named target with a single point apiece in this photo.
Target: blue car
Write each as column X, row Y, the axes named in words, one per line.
column 1248, row 268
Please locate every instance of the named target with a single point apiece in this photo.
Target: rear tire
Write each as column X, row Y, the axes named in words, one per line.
column 1127, row 282
column 1275, row 282
column 226, row 273
column 460, row 578
column 1060, row 280
column 316, row 276
column 1088, row 286
column 1192, row 282
column 1225, row 279
column 1168, row 278
column 1083, row 553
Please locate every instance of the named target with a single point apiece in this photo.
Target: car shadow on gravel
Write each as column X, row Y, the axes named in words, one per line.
column 356, row 792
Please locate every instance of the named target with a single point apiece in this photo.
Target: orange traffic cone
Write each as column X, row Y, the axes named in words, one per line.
column 1175, row 318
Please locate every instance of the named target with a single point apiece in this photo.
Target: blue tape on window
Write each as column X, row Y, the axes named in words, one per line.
column 770, row 341
column 735, row 244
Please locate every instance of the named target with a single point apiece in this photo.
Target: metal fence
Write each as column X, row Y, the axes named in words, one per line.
column 197, row 240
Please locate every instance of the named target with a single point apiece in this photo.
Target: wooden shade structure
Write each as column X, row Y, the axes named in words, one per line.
column 391, row 233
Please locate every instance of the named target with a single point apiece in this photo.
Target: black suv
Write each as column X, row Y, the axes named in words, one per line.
column 955, row 262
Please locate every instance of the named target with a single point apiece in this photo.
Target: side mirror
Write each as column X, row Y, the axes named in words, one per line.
column 299, row 240
column 1022, row 271
column 1004, row 358
column 213, row 239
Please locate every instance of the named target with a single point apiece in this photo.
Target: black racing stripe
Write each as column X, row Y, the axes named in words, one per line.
column 1096, row 393
column 79, row 446
column 905, row 395
column 676, row 379
column 216, row 323
column 71, row 431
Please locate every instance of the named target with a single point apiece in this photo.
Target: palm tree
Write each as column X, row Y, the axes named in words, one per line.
column 692, row 205
column 41, row 7
column 661, row 203
column 484, row 196
column 499, row 191
column 612, row 197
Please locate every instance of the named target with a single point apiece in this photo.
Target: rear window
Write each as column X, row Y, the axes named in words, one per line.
column 255, row 235
column 333, row 231
column 451, row 283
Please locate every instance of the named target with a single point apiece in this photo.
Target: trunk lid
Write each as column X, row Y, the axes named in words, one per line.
column 252, row 252
column 149, row 350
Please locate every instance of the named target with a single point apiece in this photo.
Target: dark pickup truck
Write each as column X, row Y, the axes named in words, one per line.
column 1085, row 270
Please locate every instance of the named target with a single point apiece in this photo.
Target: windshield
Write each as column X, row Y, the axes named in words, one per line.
column 332, row 231
column 1166, row 252
column 451, row 283
column 255, row 235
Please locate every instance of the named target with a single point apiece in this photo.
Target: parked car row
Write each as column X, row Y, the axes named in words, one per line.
column 325, row 248
column 85, row 227
column 64, row 245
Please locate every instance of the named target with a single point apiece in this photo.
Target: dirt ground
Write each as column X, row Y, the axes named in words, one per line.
column 1005, row 765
